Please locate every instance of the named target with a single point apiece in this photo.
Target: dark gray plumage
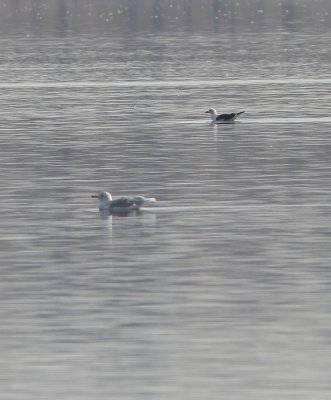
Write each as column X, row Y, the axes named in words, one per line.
column 228, row 117
column 217, row 118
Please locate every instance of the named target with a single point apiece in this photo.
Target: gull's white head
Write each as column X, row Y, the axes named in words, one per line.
column 104, row 198
column 213, row 113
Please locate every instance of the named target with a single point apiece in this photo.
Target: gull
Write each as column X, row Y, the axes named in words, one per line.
column 221, row 118
column 121, row 205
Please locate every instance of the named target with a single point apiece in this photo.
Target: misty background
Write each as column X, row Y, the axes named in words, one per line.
column 222, row 290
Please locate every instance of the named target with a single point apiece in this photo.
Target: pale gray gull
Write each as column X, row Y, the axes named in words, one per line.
column 121, row 205
column 221, row 118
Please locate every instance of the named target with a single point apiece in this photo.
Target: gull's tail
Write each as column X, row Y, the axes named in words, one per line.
column 239, row 113
column 149, row 199
column 141, row 200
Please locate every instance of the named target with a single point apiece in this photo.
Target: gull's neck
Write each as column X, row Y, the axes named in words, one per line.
column 213, row 114
column 105, row 203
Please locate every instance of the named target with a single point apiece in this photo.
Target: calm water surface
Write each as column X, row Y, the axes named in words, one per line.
column 222, row 290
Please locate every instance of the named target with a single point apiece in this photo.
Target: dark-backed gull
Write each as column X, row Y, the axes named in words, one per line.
column 221, row 118
column 123, row 204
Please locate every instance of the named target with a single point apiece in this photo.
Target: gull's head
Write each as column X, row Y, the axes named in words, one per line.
column 211, row 111
column 104, row 198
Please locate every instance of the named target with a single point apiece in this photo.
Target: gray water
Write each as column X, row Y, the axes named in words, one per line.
column 220, row 291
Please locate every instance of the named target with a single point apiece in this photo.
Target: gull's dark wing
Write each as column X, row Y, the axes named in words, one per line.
column 122, row 202
column 226, row 117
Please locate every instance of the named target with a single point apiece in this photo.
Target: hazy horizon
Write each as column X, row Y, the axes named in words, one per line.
column 162, row 15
